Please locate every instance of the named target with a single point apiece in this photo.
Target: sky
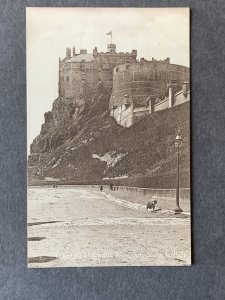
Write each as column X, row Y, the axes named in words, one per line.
column 153, row 32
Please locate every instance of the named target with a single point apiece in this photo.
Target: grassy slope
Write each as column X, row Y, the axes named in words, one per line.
column 148, row 146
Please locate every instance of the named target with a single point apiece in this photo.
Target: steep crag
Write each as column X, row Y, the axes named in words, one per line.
column 81, row 142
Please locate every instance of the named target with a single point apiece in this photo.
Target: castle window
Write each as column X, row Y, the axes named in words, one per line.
column 105, row 66
column 117, row 69
column 127, row 67
column 121, row 78
column 67, row 78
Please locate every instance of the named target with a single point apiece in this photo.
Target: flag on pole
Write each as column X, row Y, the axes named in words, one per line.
column 110, row 33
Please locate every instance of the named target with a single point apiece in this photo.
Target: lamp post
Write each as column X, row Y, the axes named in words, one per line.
column 178, row 143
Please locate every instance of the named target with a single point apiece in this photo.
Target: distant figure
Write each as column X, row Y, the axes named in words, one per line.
column 151, row 205
column 111, row 186
column 101, row 188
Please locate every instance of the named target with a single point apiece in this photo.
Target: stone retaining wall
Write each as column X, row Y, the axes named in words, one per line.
column 166, row 198
column 168, row 193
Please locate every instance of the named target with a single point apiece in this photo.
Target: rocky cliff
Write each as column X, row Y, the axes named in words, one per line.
column 81, row 142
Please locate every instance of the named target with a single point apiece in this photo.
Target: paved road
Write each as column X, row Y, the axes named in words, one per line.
column 81, row 227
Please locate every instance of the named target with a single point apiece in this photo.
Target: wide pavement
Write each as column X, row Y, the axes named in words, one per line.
column 79, row 226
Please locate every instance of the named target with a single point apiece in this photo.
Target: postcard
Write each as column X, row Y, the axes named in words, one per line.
column 108, row 137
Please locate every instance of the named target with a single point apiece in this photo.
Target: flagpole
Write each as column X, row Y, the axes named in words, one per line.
column 111, row 37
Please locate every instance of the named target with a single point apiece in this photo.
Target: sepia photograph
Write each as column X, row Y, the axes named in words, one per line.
column 108, row 137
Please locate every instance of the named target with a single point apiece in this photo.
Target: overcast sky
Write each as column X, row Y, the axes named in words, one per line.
column 154, row 32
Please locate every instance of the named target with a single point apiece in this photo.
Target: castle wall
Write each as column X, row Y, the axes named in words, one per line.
column 140, row 80
column 123, row 115
column 161, row 105
column 180, row 98
column 127, row 115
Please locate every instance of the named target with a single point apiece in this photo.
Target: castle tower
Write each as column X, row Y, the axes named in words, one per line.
column 111, row 48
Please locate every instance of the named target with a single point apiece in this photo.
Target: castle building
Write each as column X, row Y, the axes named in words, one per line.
column 143, row 87
column 137, row 88
column 80, row 75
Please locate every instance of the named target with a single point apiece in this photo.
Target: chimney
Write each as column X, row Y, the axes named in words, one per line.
column 185, row 88
column 68, row 52
column 95, row 52
column 167, row 60
column 74, row 51
column 134, row 53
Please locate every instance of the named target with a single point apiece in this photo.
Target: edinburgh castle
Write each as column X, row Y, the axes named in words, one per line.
column 136, row 87
column 106, row 118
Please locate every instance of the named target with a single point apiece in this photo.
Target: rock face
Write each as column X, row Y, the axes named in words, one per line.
column 80, row 143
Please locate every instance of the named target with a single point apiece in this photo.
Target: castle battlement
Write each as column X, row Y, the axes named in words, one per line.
column 70, row 53
column 145, row 65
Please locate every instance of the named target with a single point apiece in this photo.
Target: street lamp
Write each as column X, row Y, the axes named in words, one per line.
column 178, row 143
